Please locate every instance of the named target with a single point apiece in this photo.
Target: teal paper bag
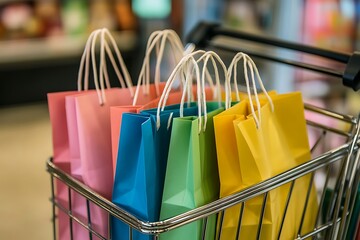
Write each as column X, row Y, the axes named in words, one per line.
column 191, row 175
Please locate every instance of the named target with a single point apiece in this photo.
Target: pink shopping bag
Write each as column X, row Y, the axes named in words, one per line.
column 61, row 154
column 67, row 144
column 61, row 157
column 90, row 149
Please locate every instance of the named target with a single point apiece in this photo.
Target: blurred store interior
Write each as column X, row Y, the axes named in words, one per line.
column 41, row 42
column 40, row 39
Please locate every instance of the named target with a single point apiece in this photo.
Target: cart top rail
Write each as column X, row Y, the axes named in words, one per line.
column 203, row 34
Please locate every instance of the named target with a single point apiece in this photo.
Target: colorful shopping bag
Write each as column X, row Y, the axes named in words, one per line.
column 92, row 156
column 278, row 144
column 61, row 155
column 141, row 164
column 191, row 175
column 157, row 40
column 60, row 134
column 228, row 161
column 81, row 131
column 267, row 143
column 250, row 162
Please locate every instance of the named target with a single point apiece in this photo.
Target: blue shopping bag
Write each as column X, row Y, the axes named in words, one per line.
column 141, row 165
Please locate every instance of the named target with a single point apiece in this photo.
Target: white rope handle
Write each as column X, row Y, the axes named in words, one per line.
column 85, row 59
column 120, row 60
column 177, row 49
column 256, row 118
column 233, row 69
column 189, row 68
column 101, row 92
column 179, row 68
column 261, row 83
column 213, row 57
column 145, row 81
column 153, row 41
column 145, row 69
column 247, row 63
column 103, row 69
column 188, row 64
column 160, row 54
column 210, row 55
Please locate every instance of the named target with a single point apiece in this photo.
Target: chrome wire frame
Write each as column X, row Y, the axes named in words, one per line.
column 331, row 223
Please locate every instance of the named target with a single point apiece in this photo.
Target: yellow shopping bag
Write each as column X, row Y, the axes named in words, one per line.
column 255, row 145
column 226, row 144
column 229, row 166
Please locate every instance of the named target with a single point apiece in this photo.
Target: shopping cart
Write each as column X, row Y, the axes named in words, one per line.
column 337, row 166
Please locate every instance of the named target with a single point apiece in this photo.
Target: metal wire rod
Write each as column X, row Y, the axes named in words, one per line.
column 203, row 34
column 206, row 31
column 312, row 67
column 337, row 56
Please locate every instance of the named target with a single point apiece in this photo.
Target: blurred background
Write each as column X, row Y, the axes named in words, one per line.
column 41, row 42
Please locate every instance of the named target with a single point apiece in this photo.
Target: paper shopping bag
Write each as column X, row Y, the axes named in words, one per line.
column 255, row 144
column 253, row 207
column 72, row 115
column 61, row 154
column 157, row 40
column 234, row 164
column 91, row 159
column 228, row 161
column 62, row 109
column 141, row 164
column 227, row 152
column 278, row 144
column 191, row 175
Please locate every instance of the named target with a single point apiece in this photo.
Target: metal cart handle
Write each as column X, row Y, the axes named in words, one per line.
column 204, row 32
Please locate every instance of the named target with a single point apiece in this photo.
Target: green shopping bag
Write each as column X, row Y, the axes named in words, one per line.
column 191, row 176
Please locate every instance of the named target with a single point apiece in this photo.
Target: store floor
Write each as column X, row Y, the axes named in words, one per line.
column 25, row 145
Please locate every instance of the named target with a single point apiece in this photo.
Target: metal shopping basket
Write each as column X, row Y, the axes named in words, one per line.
column 337, row 166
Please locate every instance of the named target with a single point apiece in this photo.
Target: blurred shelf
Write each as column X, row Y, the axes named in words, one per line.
column 26, row 53
column 29, row 69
